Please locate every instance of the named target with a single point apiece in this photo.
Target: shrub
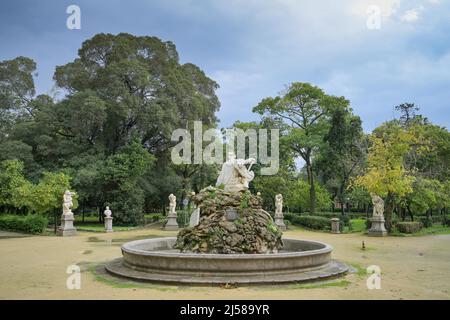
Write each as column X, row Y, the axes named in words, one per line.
column 313, row 222
column 426, row 221
column 32, row 223
column 409, row 226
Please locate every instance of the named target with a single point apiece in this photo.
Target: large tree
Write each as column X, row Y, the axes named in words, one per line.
column 124, row 94
column 343, row 155
column 305, row 110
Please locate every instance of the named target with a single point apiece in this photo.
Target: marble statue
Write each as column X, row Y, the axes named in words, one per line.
column 377, row 228
column 235, row 176
column 108, row 220
column 279, row 217
column 68, row 202
column 171, row 224
column 278, row 204
column 172, row 203
column 107, row 212
column 378, row 205
column 67, row 218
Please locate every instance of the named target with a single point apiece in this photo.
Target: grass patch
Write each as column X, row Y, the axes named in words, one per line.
column 97, row 227
column 360, row 271
column 341, row 283
column 79, row 218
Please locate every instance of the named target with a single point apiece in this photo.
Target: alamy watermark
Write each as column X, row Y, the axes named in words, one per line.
column 73, row 281
column 191, row 149
column 374, row 280
column 74, row 19
column 373, row 21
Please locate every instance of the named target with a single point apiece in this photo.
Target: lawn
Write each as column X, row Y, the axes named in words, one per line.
column 98, row 227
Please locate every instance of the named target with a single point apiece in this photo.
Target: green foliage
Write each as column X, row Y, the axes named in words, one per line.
column 300, row 196
column 119, row 178
column 32, row 223
column 312, row 222
column 304, row 110
column 14, row 188
column 409, row 226
column 46, row 196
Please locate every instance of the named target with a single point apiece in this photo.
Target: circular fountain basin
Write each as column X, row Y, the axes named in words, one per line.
column 155, row 260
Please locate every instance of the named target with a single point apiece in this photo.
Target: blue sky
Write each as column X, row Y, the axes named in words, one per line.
column 254, row 48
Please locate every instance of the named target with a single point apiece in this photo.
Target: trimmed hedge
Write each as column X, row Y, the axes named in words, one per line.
column 316, row 222
column 32, row 223
column 351, row 215
column 409, row 226
column 313, row 222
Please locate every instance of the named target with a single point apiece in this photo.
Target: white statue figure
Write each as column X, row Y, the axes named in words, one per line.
column 172, row 204
column 279, row 218
column 68, row 202
column 278, row 204
column 107, row 212
column 235, row 176
column 378, row 205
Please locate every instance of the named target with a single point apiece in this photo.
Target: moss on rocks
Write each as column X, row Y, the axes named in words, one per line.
column 252, row 232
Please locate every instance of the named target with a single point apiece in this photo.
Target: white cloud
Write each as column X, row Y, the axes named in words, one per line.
column 411, row 15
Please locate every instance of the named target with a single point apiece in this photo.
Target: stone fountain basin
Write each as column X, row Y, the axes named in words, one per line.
column 155, row 260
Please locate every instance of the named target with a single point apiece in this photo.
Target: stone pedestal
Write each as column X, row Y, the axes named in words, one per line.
column 67, row 228
column 171, row 224
column 377, row 229
column 335, row 225
column 279, row 221
column 108, row 224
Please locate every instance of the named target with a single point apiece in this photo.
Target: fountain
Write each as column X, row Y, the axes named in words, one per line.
column 233, row 241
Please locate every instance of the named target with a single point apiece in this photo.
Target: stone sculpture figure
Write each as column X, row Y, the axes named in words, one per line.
column 377, row 229
column 235, row 176
column 172, row 203
column 279, row 217
column 278, row 204
column 172, row 224
column 378, row 205
column 67, row 219
column 107, row 212
column 108, row 220
column 67, row 202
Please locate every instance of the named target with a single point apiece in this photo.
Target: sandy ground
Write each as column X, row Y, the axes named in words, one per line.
column 35, row 268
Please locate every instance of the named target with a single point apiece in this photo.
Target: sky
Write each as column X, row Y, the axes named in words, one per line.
column 376, row 53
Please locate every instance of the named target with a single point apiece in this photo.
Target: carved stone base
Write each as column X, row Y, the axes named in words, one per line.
column 377, row 229
column 171, row 224
column 108, row 224
column 335, row 228
column 67, row 229
column 279, row 222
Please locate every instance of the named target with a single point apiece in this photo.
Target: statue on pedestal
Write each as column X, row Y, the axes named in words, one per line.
column 172, row 224
column 377, row 229
column 108, row 220
column 378, row 205
column 279, row 218
column 67, row 219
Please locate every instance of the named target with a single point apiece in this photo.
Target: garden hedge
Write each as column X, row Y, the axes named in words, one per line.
column 409, row 226
column 32, row 223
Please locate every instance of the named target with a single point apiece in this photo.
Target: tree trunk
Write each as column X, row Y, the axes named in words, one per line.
column 389, row 206
column 312, row 189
